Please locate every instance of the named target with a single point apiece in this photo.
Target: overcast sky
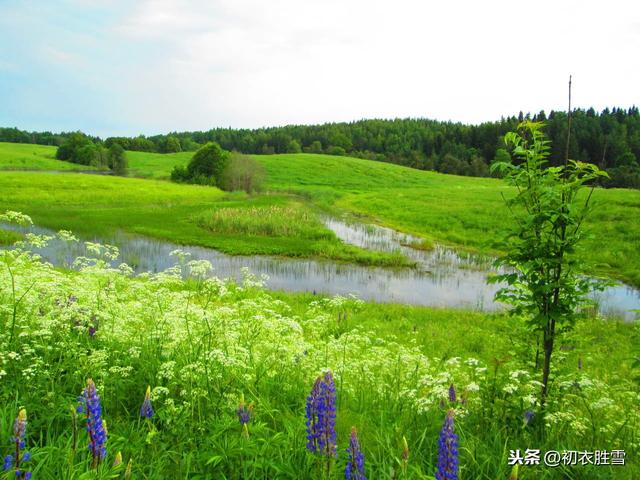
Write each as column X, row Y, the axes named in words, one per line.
column 153, row 66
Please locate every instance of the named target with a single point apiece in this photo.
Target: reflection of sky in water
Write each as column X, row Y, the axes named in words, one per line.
column 442, row 278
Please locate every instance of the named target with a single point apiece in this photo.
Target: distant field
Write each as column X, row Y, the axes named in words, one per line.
column 19, row 156
column 155, row 165
column 101, row 205
column 462, row 211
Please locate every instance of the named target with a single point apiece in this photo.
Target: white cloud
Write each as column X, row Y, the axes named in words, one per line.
column 183, row 64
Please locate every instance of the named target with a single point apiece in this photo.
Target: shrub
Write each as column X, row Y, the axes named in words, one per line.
column 210, row 161
column 243, row 173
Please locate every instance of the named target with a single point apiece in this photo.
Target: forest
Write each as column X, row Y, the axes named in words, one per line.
column 610, row 139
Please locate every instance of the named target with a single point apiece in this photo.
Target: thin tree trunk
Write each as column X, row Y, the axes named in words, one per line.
column 549, row 337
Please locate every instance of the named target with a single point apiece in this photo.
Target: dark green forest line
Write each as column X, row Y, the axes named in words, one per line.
column 610, row 139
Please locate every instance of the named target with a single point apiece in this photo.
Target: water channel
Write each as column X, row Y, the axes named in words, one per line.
column 442, row 276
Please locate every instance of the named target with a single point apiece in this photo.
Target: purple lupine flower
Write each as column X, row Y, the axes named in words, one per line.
column 146, row 410
column 452, row 393
column 355, row 465
column 528, row 416
column 18, row 439
column 313, row 431
column 95, row 425
column 244, row 412
column 321, row 416
column 244, row 416
column 447, row 468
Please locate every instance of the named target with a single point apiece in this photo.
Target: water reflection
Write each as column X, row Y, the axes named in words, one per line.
column 442, row 277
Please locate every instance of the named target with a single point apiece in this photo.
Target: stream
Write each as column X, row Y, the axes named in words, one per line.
column 442, row 277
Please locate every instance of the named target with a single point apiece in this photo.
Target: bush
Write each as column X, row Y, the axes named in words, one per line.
column 336, row 151
column 69, row 149
column 179, row 174
column 210, row 161
column 243, row 173
column 117, row 159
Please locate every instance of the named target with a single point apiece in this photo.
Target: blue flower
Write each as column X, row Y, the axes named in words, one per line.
column 355, row 465
column 312, row 417
column 95, row 425
column 244, row 412
column 447, row 468
column 452, row 393
column 8, row 462
column 528, row 416
column 146, row 410
column 18, row 439
column 321, row 417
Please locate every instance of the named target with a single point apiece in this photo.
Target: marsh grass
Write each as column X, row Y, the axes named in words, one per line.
column 293, row 220
column 9, row 237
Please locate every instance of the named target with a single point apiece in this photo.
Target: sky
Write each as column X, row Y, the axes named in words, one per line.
column 155, row 66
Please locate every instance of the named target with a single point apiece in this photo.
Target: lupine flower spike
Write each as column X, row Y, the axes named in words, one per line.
column 321, row 417
column 405, row 454
column 244, row 415
column 528, row 416
column 355, row 465
column 312, row 416
column 447, row 468
column 18, row 439
column 118, row 460
column 452, row 393
column 90, row 404
column 146, row 410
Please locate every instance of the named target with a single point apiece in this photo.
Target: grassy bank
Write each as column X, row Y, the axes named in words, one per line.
column 462, row 211
column 99, row 206
column 204, row 345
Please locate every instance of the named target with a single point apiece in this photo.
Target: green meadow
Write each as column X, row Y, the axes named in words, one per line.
column 209, row 348
column 19, row 156
column 99, row 205
column 464, row 212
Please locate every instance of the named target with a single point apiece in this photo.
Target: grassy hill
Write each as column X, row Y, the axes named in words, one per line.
column 465, row 212
column 20, row 156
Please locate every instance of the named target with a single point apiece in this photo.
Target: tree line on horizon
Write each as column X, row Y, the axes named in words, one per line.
column 609, row 139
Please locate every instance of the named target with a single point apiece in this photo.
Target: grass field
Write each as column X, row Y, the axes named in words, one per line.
column 102, row 205
column 205, row 346
column 464, row 212
column 19, row 156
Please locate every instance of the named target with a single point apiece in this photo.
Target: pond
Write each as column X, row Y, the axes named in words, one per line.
column 442, row 277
